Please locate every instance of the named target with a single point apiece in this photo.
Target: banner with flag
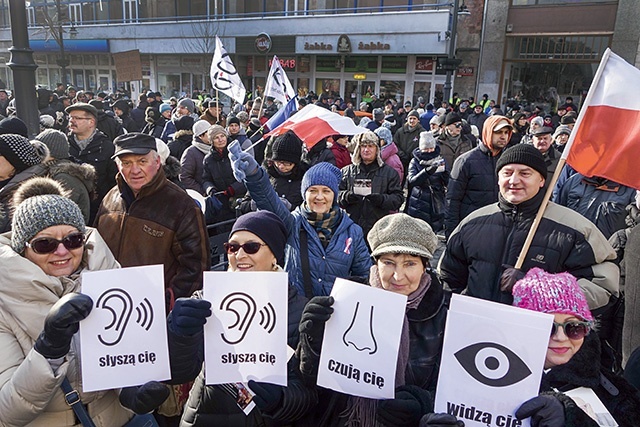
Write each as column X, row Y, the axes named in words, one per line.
column 278, row 85
column 313, row 123
column 606, row 137
column 283, row 114
column 224, row 75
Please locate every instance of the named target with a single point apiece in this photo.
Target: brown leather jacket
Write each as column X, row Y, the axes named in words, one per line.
column 162, row 225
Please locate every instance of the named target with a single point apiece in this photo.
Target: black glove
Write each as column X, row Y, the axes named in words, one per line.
column 145, row 398
column 61, row 324
column 352, row 198
column 189, row 316
column 509, row 277
column 440, row 420
column 376, row 199
column 267, row 396
column 315, row 314
column 544, row 410
column 406, row 409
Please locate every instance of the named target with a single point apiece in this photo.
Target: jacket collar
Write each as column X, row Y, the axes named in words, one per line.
column 583, row 370
column 527, row 208
column 158, row 182
column 431, row 303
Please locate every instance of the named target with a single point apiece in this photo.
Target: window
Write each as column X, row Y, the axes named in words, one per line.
column 130, row 11
column 558, row 48
column 75, row 13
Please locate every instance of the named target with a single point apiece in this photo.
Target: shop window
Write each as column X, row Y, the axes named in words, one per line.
column 392, row 89
column 394, row 64
column 329, row 87
column 557, row 48
column 328, row 63
column 361, row 64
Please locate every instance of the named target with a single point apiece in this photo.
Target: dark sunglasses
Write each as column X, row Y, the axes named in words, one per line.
column 573, row 329
column 249, row 248
column 458, row 125
column 47, row 245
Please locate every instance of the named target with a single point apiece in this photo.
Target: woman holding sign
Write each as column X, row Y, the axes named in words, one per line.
column 573, row 384
column 402, row 247
column 40, row 308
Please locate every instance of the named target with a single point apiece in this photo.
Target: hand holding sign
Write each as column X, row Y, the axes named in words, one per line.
column 145, row 398
column 544, row 410
column 189, row 316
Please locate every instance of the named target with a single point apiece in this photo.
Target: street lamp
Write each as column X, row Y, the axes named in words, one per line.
column 451, row 63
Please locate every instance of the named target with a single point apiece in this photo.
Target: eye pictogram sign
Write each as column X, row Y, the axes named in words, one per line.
column 361, row 341
column 492, row 361
column 246, row 336
column 124, row 338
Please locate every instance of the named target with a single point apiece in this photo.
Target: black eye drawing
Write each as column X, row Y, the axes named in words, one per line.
column 492, row 364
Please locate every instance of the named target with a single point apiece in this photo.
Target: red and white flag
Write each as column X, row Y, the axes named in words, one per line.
column 606, row 139
column 313, row 123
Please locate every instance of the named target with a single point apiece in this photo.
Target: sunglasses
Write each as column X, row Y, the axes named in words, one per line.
column 458, row 125
column 48, row 245
column 574, row 330
column 249, row 248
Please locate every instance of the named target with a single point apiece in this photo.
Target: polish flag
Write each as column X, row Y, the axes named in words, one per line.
column 313, row 123
column 606, row 139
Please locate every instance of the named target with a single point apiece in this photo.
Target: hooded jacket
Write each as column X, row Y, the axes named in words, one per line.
column 218, row 181
column 79, row 179
column 427, row 188
column 452, row 148
column 389, row 154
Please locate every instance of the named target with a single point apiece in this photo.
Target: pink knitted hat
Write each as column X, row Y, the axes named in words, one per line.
column 551, row 293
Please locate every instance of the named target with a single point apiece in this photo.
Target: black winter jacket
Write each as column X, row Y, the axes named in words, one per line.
column 287, row 186
column 427, row 188
column 217, row 177
column 109, row 125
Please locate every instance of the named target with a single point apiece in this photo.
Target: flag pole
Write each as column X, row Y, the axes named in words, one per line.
column 561, row 162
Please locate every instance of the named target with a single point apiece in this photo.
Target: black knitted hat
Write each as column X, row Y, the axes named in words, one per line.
column 287, row 148
column 523, row 154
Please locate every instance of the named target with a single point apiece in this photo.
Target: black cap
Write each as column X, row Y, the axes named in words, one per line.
column 523, row 154
column 452, row 118
column 544, row 130
column 134, row 143
column 83, row 106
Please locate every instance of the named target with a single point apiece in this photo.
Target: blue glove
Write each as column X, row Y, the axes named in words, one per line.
column 189, row 316
column 243, row 164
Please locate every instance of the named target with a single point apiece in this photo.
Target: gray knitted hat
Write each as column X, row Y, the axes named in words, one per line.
column 402, row 234
column 41, row 203
column 426, row 141
column 56, row 141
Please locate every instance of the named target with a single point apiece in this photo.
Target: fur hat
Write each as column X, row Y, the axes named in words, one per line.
column 18, row 151
column 287, row 148
column 322, row 174
column 426, row 141
column 365, row 138
column 268, row 227
column 56, row 142
column 523, row 154
column 384, row 133
column 402, row 234
column 551, row 293
column 41, row 203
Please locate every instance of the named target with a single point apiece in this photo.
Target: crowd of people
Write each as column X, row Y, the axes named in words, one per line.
column 112, row 183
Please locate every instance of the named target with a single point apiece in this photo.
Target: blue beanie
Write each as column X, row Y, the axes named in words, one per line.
column 164, row 107
column 322, row 174
column 267, row 226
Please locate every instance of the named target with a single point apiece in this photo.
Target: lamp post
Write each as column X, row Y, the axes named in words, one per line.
column 451, row 63
column 23, row 68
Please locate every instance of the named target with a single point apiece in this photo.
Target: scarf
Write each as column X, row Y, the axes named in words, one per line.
column 205, row 148
column 323, row 223
column 362, row 411
column 84, row 143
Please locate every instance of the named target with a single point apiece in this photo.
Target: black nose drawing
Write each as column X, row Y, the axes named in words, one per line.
column 360, row 334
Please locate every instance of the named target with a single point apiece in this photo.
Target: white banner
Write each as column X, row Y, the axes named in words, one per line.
column 492, row 361
column 246, row 337
column 124, row 339
column 361, row 341
column 278, row 85
column 224, row 75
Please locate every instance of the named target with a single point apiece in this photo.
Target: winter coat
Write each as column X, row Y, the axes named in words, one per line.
column 407, row 140
column 79, row 179
column 477, row 120
column 631, row 328
column 109, row 125
column 346, row 254
column 161, row 225
column 137, row 115
column 389, row 154
column 243, row 141
column 621, row 399
column 168, row 131
column 450, row 150
column 601, row 201
column 341, row 154
column 213, row 405
column 492, row 237
column 384, row 181
column 181, row 141
column 191, row 164
column 427, row 189
column 213, row 120
column 6, row 193
column 286, row 186
column 217, row 177
column 155, row 129
column 318, row 153
column 30, row 393
column 473, row 184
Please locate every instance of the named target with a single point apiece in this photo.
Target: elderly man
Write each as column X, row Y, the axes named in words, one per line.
column 149, row 220
column 370, row 188
column 88, row 145
column 452, row 142
column 488, row 241
column 543, row 141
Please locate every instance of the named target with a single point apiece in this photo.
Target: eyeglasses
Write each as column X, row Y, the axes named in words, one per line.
column 458, row 125
column 79, row 118
column 574, row 330
column 48, row 245
column 249, row 248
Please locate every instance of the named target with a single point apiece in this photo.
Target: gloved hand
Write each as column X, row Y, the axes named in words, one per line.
column 61, row 324
column 212, row 207
column 267, row 396
column 509, row 277
column 376, row 199
column 145, row 398
column 243, row 164
column 352, row 198
column 285, row 202
column 315, row 314
column 440, row 420
column 189, row 316
column 229, row 192
column 404, row 410
column 544, row 410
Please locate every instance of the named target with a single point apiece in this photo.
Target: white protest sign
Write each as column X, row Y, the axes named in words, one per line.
column 492, row 361
column 246, row 337
column 124, row 339
column 361, row 341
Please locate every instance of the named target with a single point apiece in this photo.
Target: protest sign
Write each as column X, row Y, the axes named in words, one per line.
column 246, row 337
column 492, row 361
column 124, row 338
column 361, row 340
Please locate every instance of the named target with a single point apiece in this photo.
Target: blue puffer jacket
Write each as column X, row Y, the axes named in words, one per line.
column 346, row 255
